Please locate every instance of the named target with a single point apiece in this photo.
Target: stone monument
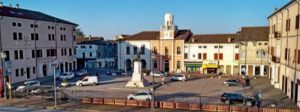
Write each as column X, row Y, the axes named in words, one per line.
column 137, row 79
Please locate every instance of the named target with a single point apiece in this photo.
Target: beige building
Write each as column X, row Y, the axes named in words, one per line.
column 284, row 56
column 253, row 44
column 32, row 40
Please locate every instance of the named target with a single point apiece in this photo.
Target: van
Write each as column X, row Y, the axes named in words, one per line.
column 88, row 80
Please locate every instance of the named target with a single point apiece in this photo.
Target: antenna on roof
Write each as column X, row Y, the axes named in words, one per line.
column 17, row 6
column 275, row 9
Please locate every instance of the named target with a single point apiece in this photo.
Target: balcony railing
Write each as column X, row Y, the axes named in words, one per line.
column 277, row 34
column 275, row 59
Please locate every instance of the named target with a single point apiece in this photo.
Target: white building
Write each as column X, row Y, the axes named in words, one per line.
column 212, row 53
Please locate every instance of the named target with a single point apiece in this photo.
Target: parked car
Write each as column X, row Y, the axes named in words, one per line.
column 28, row 85
column 230, row 98
column 157, row 74
column 81, row 72
column 67, row 75
column 179, row 77
column 232, row 82
column 88, row 80
column 141, row 95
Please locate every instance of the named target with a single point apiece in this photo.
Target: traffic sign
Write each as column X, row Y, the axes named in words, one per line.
column 8, row 67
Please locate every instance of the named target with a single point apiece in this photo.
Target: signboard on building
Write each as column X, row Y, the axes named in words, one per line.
column 8, row 65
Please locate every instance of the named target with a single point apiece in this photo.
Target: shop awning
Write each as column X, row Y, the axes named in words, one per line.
column 193, row 64
column 209, row 66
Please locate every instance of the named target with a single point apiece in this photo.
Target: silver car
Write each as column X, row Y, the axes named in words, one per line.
column 141, row 95
column 28, row 85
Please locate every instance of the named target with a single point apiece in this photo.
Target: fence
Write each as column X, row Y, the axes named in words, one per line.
column 180, row 105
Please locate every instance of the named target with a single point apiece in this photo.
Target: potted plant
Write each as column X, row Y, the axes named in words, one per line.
column 64, row 83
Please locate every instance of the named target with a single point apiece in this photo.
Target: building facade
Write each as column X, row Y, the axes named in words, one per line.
column 31, row 41
column 284, row 56
column 212, row 54
column 160, row 50
column 253, row 44
column 96, row 54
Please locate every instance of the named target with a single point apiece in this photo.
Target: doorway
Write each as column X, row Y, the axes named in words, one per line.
column 167, row 66
column 296, row 94
column 45, row 70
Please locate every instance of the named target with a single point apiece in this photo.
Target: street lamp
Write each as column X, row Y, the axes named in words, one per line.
column 55, row 66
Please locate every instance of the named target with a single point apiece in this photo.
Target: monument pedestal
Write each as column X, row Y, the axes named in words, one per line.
column 137, row 79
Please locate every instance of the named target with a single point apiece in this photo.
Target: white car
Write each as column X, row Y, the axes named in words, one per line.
column 88, row 80
column 178, row 77
column 141, row 95
column 67, row 75
column 157, row 74
column 30, row 85
column 81, row 73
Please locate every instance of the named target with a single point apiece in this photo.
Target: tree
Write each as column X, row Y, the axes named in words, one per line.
column 79, row 33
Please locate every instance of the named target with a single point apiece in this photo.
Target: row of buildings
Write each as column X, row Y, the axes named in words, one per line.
column 179, row 50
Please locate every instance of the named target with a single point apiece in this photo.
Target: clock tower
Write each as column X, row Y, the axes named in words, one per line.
column 168, row 30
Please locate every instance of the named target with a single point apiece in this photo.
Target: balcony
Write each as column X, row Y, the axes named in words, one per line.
column 275, row 59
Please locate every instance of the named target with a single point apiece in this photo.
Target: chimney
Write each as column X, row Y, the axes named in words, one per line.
column 10, row 6
column 17, row 6
column 229, row 39
column 1, row 4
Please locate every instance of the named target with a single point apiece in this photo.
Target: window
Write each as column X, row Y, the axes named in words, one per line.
column 220, row 47
column 204, row 56
column 19, row 24
column 17, row 72
column 36, row 25
column 286, row 53
column 22, row 72
column 166, row 51
column 61, row 38
column 193, row 55
column 266, row 43
column 185, row 46
column 221, row 56
column 154, row 50
column 215, row 56
column 90, row 46
column 36, row 36
column 21, row 54
column 178, row 65
column 20, row 36
column 33, row 70
column 143, row 49
column 259, row 43
column 204, row 47
column 39, row 53
column 31, row 25
column 14, row 24
column 16, row 54
column 178, row 50
column 15, row 36
column 91, row 54
column 199, row 46
column 237, row 46
column 298, row 61
column 236, row 56
column 82, row 46
column 185, row 55
column 154, row 64
column 127, row 50
column 33, row 53
column 32, row 36
column 215, row 46
column 199, row 55
column 288, row 23
column 49, row 37
column 70, row 52
column 297, row 22
column 135, row 50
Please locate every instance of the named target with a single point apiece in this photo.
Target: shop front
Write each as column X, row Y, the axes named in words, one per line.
column 210, row 68
column 193, row 67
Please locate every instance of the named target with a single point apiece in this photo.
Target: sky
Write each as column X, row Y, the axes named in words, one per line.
column 108, row 18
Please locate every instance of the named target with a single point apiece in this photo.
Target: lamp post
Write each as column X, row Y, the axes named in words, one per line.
column 55, row 66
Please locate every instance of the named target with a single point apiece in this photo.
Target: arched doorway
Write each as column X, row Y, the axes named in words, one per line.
column 128, row 65
column 45, row 70
column 144, row 64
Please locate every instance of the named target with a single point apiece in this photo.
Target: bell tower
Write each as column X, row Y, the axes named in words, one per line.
column 168, row 30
